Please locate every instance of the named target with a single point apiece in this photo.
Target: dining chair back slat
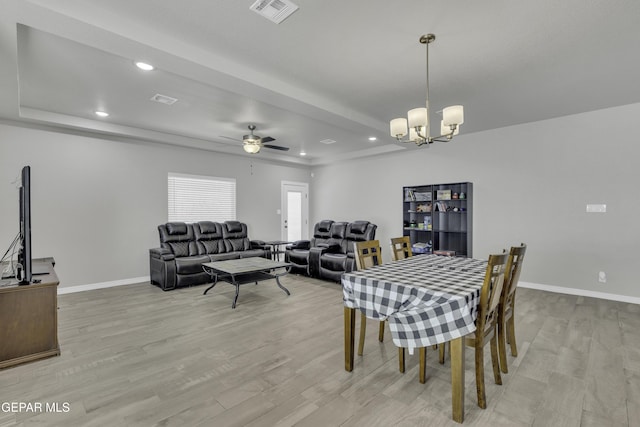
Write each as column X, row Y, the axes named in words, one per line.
column 368, row 254
column 401, row 248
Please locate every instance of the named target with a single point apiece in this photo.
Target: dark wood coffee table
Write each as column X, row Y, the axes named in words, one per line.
column 245, row 270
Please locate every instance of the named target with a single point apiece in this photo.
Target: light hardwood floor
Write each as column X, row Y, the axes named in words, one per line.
column 134, row 355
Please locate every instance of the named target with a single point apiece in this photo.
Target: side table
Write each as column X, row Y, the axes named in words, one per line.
column 276, row 248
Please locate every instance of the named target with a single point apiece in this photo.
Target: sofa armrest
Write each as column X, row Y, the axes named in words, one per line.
column 161, row 254
column 260, row 244
column 300, row 244
column 332, row 248
column 162, row 268
column 314, row 259
column 257, row 244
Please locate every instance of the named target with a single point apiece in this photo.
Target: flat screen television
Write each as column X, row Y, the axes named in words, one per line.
column 24, row 271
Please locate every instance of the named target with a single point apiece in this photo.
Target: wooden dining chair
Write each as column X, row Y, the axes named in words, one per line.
column 487, row 324
column 400, row 248
column 506, row 322
column 368, row 254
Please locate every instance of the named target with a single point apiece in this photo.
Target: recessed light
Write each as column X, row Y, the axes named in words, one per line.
column 372, row 138
column 102, row 114
column 144, row 66
column 303, row 153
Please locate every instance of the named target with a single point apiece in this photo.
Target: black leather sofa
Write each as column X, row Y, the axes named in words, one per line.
column 185, row 247
column 330, row 252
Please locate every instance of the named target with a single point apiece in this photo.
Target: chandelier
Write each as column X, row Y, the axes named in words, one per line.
column 416, row 127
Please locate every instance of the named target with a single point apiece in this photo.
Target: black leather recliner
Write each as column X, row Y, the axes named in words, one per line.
column 298, row 252
column 330, row 253
column 339, row 259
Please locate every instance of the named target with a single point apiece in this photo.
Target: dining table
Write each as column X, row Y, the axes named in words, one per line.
column 426, row 299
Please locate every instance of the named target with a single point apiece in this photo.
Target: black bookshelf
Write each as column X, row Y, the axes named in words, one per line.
column 439, row 217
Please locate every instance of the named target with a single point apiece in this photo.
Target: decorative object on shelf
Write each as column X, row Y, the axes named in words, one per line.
column 445, row 253
column 422, row 196
column 417, row 121
column 424, row 208
column 443, row 195
column 421, row 248
column 455, row 196
column 463, row 196
column 413, row 223
column 427, row 223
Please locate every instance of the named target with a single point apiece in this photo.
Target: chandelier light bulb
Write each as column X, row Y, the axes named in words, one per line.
column 418, row 117
column 398, row 127
column 453, row 115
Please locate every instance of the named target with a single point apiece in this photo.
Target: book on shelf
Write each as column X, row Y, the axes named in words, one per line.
column 441, row 206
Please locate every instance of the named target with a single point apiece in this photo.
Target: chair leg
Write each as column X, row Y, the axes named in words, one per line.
column 502, row 346
column 494, row 359
column 381, row 331
column 511, row 333
column 423, row 365
column 479, row 350
column 363, row 331
column 442, row 348
column 401, row 359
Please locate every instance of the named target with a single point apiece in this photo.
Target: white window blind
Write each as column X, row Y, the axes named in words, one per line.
column 195, row 198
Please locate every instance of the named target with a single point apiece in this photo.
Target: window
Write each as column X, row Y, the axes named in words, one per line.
column 195, row 198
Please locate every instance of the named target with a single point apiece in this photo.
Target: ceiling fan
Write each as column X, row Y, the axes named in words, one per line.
column 253, row 143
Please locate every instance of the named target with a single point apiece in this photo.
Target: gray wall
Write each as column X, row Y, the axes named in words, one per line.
column 531, row 184
column 96, row 203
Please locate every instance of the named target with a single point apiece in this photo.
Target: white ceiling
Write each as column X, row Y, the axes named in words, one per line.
column 335, row 69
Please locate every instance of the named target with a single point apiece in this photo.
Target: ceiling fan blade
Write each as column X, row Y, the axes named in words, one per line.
column 267, row 139
column 275, row 147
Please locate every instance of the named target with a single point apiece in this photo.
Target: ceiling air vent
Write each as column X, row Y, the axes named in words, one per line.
column 328, row 141
column 274, row 10
column 163, row 99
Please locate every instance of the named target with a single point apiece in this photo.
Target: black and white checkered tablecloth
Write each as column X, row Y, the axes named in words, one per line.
column 427, row 299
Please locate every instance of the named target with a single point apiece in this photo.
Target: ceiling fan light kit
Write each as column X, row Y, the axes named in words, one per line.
column 417, row 124
column 251, row 148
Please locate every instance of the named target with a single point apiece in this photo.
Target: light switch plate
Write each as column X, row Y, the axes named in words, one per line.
column 597, row 208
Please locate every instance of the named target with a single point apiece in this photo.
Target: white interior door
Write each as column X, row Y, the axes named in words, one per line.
column 295, row 211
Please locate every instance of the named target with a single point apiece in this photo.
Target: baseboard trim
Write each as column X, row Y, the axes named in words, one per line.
column 579, row 292
column 529, row 285
column 93, row 286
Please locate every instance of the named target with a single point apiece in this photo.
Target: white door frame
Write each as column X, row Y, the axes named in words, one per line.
column 303, row 187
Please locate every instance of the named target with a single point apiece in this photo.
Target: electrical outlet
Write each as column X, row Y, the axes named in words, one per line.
column 602, row 277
